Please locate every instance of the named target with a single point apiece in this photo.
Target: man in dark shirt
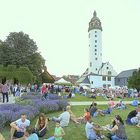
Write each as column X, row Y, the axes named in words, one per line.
column 93, row 109
column 132, row 114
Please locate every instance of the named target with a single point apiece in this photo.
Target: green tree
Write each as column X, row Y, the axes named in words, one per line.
column 22, row 47
column 134, row 80
column 36, row 64
column 19, row 50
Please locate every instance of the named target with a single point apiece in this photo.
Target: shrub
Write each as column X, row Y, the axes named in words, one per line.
column 31, row 105
column 62, row 104
column 25, row 102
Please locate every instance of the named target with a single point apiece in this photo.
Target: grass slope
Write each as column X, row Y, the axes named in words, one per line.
column 77, row 132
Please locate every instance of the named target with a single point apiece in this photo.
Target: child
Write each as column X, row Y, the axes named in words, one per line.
column 86, row 116
column 30, row 135
column 58, row 133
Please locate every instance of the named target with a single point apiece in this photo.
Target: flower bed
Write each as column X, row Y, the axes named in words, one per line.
column 31, row 105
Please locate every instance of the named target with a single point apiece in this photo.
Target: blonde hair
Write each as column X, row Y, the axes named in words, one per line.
column 68, row 107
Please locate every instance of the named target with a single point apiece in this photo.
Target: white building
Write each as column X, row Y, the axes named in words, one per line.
column 99, row 74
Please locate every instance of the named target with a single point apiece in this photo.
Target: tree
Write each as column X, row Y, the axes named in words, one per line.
column 19, row 50
column 134, row 80
column 36, row 64
column 22, row 47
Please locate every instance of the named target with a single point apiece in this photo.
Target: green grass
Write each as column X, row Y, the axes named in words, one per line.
column 77, row 132
column 79, row 98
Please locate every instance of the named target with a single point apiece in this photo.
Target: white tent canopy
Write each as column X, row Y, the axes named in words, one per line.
column 62, row 81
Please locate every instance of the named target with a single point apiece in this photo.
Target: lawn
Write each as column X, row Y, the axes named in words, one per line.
column 79, row 98
column 77, row 132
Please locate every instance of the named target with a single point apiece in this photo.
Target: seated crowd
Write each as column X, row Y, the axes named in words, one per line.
column 21, row 130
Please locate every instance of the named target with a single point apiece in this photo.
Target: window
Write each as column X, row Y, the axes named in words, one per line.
column 95, row 31
column 95, row 41
column 109, row 85
column 89, row 35
column 89, row 45
column 109, row 78
column 104, row 78
column 109, row 72
column 100, row 54
column 96, row 69
column 95, row 45
column 95, row 53
column 95, row 50
column 90, row 64
column 107, row 68
column 95, row 35
column 96, row 58
column 91, row 82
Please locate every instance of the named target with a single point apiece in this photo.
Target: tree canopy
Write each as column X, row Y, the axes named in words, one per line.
column 134, row 80
column 20, row 50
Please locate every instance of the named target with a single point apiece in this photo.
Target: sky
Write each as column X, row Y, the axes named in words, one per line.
column 60, row 30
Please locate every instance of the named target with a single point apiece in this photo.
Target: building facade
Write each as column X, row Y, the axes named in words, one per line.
column 122, row 78
column 99, row 74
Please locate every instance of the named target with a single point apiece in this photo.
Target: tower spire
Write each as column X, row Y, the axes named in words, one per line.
column 94, row 14
column 95, row 22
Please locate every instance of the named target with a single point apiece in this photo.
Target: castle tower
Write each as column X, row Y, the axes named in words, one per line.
column 95, row 44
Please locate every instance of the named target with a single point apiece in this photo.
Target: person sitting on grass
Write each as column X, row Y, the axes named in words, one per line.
column 135, row 120
column 41, row 125
column 1, row 137
column 58, row 133
column 135, row 102
column 72, row 116
column 92, row 130
column 120, row 105
column 86, row 116
column 64, row 118
column 111, row 103
column 118, row 130
column 93, row 109
column 131, row 115
column 18, row 127
column 29, row 135
column 106, row 111
column 138, row 125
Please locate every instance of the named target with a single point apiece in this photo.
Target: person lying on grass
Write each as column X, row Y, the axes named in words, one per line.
column 106, row 111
